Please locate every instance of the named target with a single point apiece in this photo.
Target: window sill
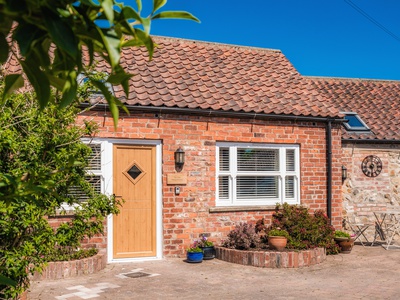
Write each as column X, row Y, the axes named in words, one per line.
column 219, row 209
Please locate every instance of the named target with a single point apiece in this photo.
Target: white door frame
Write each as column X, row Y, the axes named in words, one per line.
column 107, row 188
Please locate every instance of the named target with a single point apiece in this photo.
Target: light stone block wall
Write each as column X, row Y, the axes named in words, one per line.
column 362, row 195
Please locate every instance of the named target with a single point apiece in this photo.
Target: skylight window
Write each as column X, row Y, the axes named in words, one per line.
column 355, row 123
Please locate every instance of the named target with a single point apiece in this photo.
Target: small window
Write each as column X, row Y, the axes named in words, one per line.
column 94, row 174
column 355, row 123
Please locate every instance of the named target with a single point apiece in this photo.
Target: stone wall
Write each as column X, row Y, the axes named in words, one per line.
column 363, row 195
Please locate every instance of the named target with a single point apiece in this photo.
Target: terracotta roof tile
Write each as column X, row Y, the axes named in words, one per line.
column 204, row 75
column 376, row 102
column 193, row 74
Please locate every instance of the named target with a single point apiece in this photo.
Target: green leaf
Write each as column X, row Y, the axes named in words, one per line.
column 107, row 5
column 175, row 15
column 39, row 81
column 64, row 13
column 12, row 83
column 25, row 35
column 139, row 5
column 112, row 43
column 132, row 43
column 129, row 13
column 111, row 100
column 7, row 281
column 121, row 78
column 57, row 82
column 146, row 24
column 4, row 50
column 69, row 90
column 118, row 78
column 147, row 41
column 157, row 4
column 61, row 33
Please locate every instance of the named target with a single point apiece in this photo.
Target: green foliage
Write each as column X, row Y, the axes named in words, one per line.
column 69, row 253
column 41, row 157
column 278, row 232
column 194, row 249
column 242, row 237
column 305, row 230
column 72, row 30
column 341, row 234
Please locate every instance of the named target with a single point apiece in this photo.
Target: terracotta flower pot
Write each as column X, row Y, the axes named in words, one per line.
column 277, row 242
column 346, row 246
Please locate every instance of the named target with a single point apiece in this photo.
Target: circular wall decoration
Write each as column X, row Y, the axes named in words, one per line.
column 371, row 166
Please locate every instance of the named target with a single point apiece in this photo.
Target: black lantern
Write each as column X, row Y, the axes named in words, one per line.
column 344, row 173
column 179, row 157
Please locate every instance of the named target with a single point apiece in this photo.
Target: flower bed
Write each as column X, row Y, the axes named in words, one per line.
column 73, row 268
column 272, row 259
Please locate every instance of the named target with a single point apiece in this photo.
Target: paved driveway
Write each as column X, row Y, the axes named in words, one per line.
column 366, row 273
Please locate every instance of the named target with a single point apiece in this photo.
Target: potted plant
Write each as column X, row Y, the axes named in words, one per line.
column 194, row 254
column 206, row 246
column 277, row 239
column 344, row 240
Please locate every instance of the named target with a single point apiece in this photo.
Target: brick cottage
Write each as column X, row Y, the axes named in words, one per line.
column 254, row 133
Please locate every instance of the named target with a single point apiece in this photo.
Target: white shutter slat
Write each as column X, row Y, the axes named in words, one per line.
column 257, row 160
column 290, row 160
column 257, row 187
column 224, row 159
column 223, row 188
column 95, row 157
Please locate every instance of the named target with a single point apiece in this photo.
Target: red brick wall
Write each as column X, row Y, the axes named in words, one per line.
column 187, row 215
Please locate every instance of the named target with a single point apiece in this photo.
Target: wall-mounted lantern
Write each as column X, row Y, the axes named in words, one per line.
column 179, row 157
column 344, row 173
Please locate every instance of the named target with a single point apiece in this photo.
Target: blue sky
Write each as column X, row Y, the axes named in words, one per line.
column 320, row 38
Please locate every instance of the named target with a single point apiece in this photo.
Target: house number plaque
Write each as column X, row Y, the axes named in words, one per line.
column 176, row 178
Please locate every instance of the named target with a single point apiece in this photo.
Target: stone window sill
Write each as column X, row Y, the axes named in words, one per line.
column 219, row 209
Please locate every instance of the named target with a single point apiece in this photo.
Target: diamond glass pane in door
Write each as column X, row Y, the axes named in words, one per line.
column 134, row 172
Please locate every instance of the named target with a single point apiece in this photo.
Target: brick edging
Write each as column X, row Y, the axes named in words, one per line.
column 73, row 268
column 272, row 259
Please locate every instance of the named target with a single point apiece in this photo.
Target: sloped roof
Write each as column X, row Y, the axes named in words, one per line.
column 193, row 74
column 377, row 102
column 212, row 76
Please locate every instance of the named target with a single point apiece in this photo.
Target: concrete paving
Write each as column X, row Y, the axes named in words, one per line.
column 365, row 273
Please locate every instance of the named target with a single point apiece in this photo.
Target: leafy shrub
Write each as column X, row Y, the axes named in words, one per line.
column 243, row 237
column 305, row 230
column 41, row 157
column 69, row 253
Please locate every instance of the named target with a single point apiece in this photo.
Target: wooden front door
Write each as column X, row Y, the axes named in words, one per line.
column 134, row 228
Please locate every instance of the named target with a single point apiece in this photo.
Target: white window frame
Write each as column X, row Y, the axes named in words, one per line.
column 282, row 173
column 90, row 172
